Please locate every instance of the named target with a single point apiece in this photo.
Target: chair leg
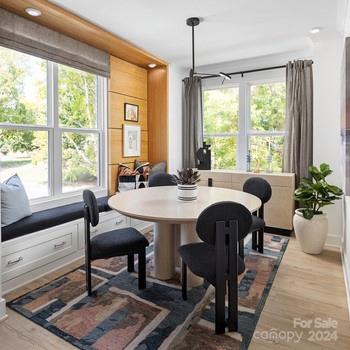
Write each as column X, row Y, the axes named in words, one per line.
column 184, row 280
column 142, row 269
column 241, row 248
column 233, row 304
column 261, row 241
column 254, row 240
column 88, row 276
column 131, row 263
column 220, row 322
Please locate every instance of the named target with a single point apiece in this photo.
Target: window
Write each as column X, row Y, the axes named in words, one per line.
column 51, row 125
column 221, row 111
column 246, row 119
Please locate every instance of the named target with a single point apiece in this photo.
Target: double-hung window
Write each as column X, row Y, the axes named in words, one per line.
column 244, row 122
column 51, row 125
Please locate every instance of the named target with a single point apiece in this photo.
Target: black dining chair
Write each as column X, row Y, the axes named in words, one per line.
column 260, row 188
column 220, row 227
column 162, row 179
column 124, row 241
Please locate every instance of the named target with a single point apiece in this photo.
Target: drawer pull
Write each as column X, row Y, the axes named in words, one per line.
column 60, row 245
column 14, row 262
column 119, row 221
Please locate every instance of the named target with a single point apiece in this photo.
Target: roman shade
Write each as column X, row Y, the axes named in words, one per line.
column 23, row 35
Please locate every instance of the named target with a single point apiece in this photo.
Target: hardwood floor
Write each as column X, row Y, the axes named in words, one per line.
column 306, row 287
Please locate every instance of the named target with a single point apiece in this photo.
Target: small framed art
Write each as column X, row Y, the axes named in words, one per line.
column 131, row 140
column 131, row 112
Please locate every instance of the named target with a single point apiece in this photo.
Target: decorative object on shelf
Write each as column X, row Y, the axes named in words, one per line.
column 131, row 140
column 187, row 180
column 204, row 157
column 310, row 222
column 131, row 112
column 129, row 179
column 269, row 163
column 249, row 159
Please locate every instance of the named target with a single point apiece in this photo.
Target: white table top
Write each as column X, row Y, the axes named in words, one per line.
column 160, row 204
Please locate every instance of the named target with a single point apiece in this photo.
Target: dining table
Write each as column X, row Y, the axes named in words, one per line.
column 174, row 220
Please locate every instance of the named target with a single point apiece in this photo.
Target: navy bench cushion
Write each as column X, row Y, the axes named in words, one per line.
column 44, row 219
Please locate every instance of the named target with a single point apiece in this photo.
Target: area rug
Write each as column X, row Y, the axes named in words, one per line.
column 119, row 316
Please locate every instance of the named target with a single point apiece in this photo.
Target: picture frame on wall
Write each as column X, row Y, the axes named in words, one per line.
column 131, row 112
column 131, row 140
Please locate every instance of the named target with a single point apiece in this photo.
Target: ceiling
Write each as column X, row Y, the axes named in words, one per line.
column 231, row 29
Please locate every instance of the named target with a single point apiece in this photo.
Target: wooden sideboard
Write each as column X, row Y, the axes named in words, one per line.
column 279, row 210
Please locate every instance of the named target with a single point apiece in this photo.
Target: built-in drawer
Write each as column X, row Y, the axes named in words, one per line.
column 108, row 222
column 27, row 256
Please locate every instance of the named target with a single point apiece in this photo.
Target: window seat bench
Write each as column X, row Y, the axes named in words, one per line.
column 44, row 219
column 52, row 238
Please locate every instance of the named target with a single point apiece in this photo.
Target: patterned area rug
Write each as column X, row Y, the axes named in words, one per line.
column 119, row 316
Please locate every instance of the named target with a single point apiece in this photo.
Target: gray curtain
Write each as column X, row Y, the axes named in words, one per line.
column 298, row 146
column 23, row 35
column 192, row 120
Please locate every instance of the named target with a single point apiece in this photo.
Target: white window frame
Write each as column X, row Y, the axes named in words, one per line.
column 244, row 131
column 55, row 132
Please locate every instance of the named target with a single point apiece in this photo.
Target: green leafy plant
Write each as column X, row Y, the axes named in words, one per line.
column 315, row 192
column 187, row 177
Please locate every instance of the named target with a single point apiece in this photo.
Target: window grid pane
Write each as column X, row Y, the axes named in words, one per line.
column 221, row 111
column 79, row 160
column 267, row 107
column 77, row 97
column 223, row 152
column 266, row 153
column 25, row 152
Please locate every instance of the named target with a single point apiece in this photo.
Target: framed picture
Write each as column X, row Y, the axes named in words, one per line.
column 131, row 112
column 131, row 140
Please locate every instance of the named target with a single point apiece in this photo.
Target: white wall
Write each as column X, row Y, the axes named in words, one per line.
column 176, row 74
column 328, row 58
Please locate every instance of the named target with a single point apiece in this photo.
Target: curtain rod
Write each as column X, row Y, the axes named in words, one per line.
column 209, row 76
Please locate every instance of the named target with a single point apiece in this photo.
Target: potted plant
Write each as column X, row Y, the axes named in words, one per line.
column 187, row 184
column 310, row 222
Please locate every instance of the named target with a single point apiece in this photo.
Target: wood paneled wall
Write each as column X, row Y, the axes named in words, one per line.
column 158, row 114
column 127, row 84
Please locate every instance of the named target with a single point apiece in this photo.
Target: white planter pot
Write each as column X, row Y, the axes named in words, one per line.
column 311, row 234
column 186, row 193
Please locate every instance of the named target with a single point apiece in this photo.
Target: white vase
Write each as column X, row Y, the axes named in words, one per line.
column 311, row 234
column 187, row 193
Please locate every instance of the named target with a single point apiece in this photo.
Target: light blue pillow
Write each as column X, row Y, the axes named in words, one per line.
column 14, row 201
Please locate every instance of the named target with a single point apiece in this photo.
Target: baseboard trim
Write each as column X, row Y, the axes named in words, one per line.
column 278, row 231
column 346, row 273
column 3, row 315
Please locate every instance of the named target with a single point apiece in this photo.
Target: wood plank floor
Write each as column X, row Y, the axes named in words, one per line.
column 306, row 287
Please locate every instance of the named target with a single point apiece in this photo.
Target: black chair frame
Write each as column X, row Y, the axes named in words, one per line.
column 226, row 255
column 141, row 258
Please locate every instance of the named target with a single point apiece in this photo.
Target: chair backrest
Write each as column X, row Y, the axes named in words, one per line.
column 258, row 187
column 223, row 211
column 162, row 179
column 91, row 206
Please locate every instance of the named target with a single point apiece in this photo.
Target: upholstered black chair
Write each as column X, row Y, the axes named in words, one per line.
column 162, row 179
column 260, row 188
column 220, row 227
column 125, row 241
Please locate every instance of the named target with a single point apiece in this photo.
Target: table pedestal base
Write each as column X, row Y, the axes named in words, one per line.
column 164, row 253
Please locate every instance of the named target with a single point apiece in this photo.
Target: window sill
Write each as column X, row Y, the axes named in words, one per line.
column 68, row 198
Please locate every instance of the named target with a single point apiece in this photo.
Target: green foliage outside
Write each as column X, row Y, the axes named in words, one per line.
column 315, row 192
column 23, row 101
column 221, row 116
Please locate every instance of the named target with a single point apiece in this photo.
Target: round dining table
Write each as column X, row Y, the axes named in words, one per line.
column 174, row 220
